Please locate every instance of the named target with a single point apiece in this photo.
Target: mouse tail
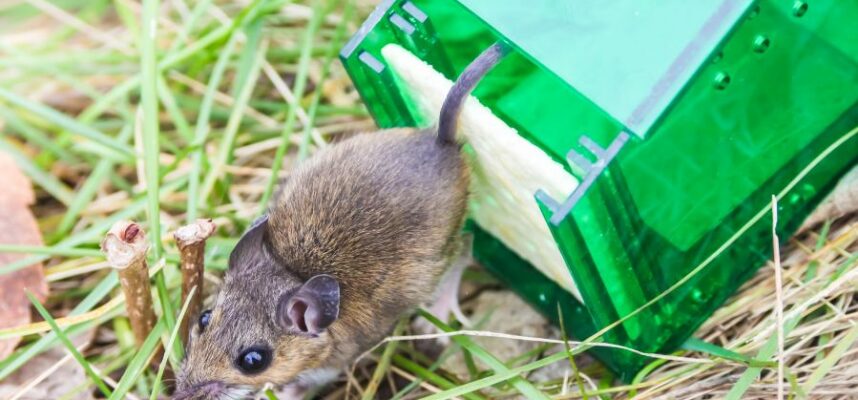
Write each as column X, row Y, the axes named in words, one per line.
column 473, row 73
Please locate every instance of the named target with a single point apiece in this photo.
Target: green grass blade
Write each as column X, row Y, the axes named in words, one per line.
column 51, row 251
column 497, row 378
column 522, row 385
column 150, row 134
column 428, row 373
column 98, row 151
column 298, row 90
column 843, row 267
column 27, row 352
column 836, row 354
column 128, row 18
column 89, row 235
column 151, row 146
column 695, row 344
column 139, row 363
column 330, row 55
column 69, row 345
column 383, row 363
column 247, row 60
column 249, row 67
column 813, row 265
column 203, row 128
column 572, row 364
column 94, row 233
column 642, row 374
column 166, row 308
column 41, row 178
column 766, row 352
column 88, row 190
column 63, row 121
column 171, row 60
column 36, row 136
column 188, row 25
column 176, row 115
column 173, row 335
column 12, row 363
column 429, row 376
column 796, row 389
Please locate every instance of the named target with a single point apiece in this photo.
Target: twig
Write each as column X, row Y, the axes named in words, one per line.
column 191, row 240
column 125, row 247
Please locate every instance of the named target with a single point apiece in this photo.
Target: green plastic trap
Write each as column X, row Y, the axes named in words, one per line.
column 679, row 119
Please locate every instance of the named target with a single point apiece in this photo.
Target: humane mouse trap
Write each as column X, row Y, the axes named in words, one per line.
column 626, row 157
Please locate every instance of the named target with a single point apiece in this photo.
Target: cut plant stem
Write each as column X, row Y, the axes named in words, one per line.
column 125, row 247
column 191, row 240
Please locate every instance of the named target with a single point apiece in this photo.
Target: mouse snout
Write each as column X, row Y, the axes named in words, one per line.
column 200, row 391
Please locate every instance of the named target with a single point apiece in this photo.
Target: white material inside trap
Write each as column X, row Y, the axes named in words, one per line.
column 506, row 169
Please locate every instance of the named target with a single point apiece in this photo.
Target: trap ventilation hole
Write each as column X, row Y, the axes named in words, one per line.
column 799, row 8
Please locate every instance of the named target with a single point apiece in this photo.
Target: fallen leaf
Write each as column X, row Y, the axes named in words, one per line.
column 17, row 226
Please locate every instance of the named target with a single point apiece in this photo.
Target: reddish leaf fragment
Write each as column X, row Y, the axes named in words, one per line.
column 17, row 226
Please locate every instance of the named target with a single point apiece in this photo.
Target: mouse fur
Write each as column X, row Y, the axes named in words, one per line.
column 357, row 237
column 381, row 213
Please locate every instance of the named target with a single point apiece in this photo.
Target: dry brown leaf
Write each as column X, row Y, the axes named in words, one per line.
column 17, row 226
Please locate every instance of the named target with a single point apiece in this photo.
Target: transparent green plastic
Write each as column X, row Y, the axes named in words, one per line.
column 724, row 102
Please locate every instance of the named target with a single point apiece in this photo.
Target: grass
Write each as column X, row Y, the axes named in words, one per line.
column 70, row 346
column 165, row 112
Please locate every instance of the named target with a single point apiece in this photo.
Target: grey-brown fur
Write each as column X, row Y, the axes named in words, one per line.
column 381, row 213
column 374, row 221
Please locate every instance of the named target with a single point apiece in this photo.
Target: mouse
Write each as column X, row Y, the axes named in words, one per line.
column 357, row 237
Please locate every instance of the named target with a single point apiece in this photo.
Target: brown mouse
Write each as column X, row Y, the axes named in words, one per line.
column 358, row 236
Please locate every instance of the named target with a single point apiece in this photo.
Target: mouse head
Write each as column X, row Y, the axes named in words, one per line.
column 266, row 325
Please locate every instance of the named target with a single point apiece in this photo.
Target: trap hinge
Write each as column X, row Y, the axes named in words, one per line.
column 559, row 211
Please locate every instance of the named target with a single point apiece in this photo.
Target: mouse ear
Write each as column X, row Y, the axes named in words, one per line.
column 311, row 308
column 250, row 249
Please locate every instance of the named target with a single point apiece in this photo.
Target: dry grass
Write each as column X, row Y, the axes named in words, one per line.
column 76, row 55
column 820, row 313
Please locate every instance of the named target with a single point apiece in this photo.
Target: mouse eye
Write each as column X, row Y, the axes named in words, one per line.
column 254, row 360
column 205, row 318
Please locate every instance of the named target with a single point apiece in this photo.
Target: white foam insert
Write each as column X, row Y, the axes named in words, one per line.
column 506, row 169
